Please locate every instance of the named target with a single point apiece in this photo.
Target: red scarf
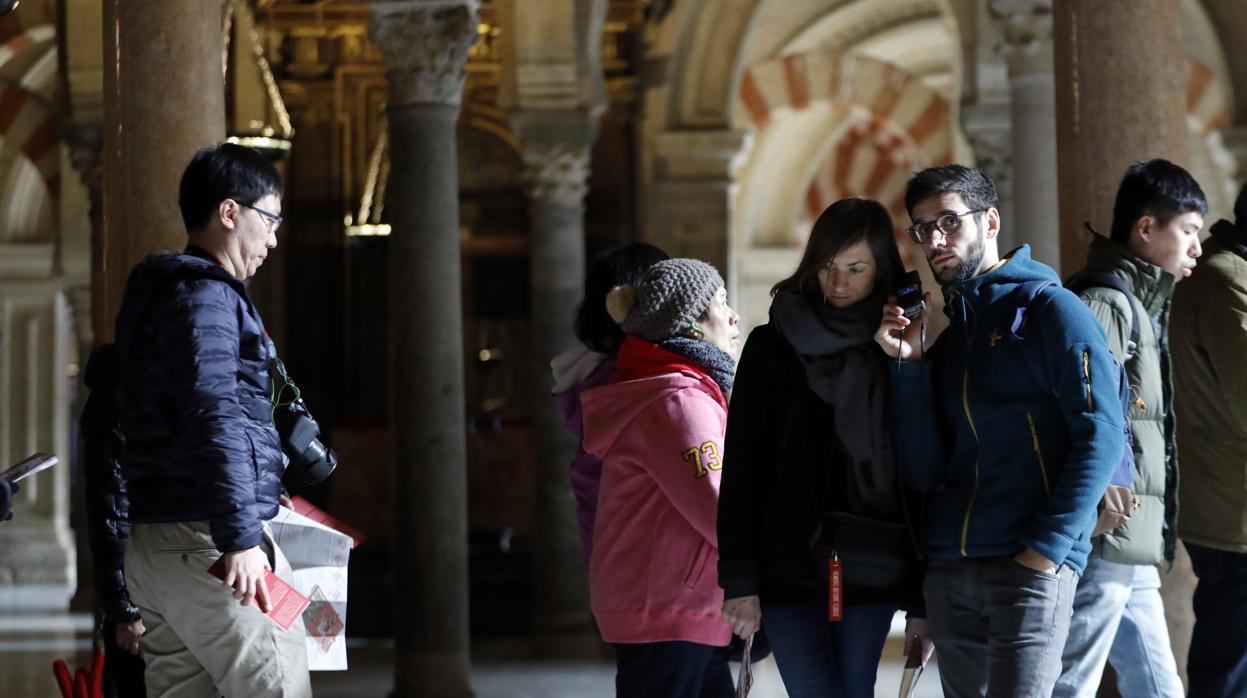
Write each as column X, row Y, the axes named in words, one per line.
column 639, row 358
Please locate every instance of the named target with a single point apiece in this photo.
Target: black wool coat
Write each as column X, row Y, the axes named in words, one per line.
column 782, row 466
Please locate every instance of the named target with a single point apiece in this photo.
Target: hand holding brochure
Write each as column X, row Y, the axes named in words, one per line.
column 744, row 680
column 30, row 466
column 286, row 604
column 913, row 669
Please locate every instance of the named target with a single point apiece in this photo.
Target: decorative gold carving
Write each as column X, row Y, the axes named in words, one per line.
column 278, row 105
column 425, row 43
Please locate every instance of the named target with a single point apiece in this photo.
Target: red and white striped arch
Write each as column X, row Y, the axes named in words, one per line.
column 898, row 125
column 798, row 81
column 873, row 158
column 27, row 118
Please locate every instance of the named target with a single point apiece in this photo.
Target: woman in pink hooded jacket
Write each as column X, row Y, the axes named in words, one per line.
column 659, row 432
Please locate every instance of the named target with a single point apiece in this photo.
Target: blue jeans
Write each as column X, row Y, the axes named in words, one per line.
column 1118, row 618
column 821, row 659
column 1218, row 660
column 998, row 627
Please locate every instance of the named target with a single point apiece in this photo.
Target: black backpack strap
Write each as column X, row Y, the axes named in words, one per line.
column 1088, row 279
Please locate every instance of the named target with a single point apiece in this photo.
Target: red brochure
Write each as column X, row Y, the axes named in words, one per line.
column 286, row 603
column 311, row 511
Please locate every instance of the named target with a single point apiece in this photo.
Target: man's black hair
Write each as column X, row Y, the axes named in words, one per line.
column 622, row 266
column 1156, row 188
column 226, row 171
column 975, row 187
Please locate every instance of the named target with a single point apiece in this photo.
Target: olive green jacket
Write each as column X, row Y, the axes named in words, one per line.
column 1148, row 537
column 1210, row 374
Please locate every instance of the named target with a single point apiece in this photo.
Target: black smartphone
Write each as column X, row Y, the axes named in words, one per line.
column 909, row 294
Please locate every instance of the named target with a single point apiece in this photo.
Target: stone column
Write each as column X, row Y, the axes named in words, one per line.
column 556, row 158
column 987, row 128
column 425, row 44
column 1027, row 28
column 1121, row 76
column 1121, row 97
column 689, row 201
column 163, row 99
column 86, row 154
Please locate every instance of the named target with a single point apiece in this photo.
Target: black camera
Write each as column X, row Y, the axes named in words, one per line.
column 909, row 295
column 300, row 434
column 300, row 439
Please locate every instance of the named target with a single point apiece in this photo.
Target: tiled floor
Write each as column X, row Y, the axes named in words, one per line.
column 494, row 678
column 499, row 669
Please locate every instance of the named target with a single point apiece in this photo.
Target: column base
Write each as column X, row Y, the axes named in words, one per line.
column 36, row 568
column 428, row 675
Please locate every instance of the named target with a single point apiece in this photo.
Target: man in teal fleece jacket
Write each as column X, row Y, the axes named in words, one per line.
column 1015, row 467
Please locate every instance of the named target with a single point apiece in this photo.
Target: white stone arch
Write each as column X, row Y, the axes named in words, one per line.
column 700, row 48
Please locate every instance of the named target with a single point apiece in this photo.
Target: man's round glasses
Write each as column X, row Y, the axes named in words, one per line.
column 273, row 220
column 948, row 224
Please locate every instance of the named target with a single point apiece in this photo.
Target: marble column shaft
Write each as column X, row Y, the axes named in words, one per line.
column 1121, row 97
column 164, row 99
column 1027, row 28
column 557, row 174
column 425, row 44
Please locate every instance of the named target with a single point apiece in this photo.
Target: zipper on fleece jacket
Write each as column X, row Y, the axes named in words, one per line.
column 1043, row 472
column 965, row 404
column 1086, row 378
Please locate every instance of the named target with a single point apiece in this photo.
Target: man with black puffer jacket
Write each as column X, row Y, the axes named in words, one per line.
column 202, row 461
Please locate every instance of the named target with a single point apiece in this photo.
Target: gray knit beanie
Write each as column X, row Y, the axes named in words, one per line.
column 670, row 298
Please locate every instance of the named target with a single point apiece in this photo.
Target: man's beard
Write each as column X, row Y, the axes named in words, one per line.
column 967, row 269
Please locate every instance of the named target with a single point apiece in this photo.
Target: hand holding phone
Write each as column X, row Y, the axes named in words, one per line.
column 909, row 295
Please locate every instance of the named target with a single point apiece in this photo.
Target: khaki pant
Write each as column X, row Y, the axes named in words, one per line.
column 200, row 640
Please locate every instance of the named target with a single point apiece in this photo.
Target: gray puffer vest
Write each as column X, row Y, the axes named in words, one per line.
column 1148, row 537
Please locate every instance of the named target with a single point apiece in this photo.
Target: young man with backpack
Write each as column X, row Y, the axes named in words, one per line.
column 1127, row 284
column 1008, row 527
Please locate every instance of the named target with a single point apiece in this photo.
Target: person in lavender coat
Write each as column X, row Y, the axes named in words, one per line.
column 592, row 363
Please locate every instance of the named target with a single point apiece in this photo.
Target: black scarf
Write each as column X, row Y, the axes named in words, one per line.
column 719, row 364
column 844, row 367
column 1231, row 236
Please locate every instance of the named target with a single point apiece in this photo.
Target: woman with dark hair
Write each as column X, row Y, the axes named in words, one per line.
column 592, row 363
column 816, row 531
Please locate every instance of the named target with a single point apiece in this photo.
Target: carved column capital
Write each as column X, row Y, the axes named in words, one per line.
column 557, row 174
column 86, row 154
column 993, row 153
column 1027, row 29
column 425, row 44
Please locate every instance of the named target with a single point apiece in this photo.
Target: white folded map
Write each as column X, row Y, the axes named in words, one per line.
column 30, row 466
